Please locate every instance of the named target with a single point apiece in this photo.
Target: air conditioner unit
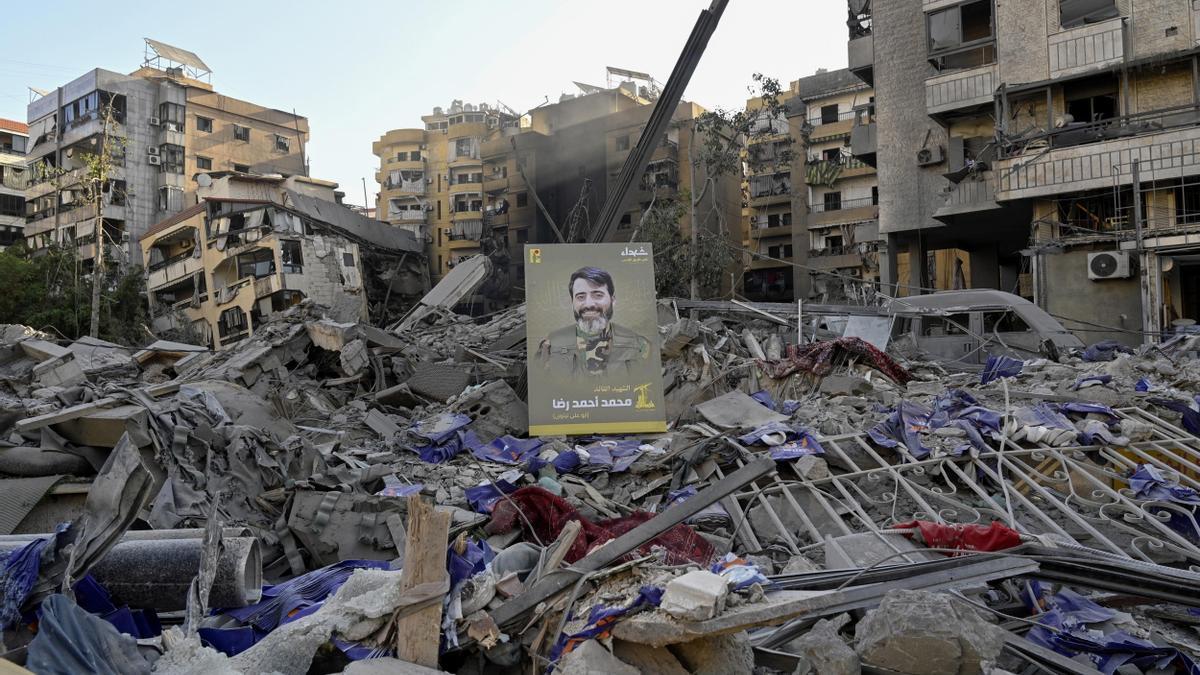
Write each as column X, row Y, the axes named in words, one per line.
column 152, row 150
column 931, row 156
column 154, row 159
column 1109, row 265
column 447, row 231
column 154, row 121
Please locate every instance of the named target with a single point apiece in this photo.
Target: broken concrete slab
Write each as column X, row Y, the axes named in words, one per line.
column 695, row 596
column 918, row 631
column 63, row 371
column 736, row 410
column 495, row 410
column 658, row 660
column 103, row 427
column 28, row 461
column 331, row 335
column 717, row 655
column 42, row 350
column 353, row 357
column 457, row 284
column 826, row 652
column 865, row 549
column 658, row 628
column 679, row 336
column 591, row 658
column 398, row 396
column 844, row 385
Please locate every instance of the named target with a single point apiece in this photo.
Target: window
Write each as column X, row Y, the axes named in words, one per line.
column 833, row 201
column 833, row 242
column 1187, row 203
column 117, row 192
column 626, row 222
column 439, row 209
column 414, row 156
column 172, row 158
column 829, row 114
column 622, row 143
column 1092, row 100
column 1003, row 322
column 170, row 199
column 290, row 254
column 204, row 124
column 12, row 205
column 203, row 162
column 961, row 36
column 831, row 155
column 952, row 324
column 347, row 260
column 241, row 168
column 522, row 199
column 232, row 321
column 257, row 263
column 874, row 195
column 241, row 133
column 522, row 236
column 281, row 144
column 1074, row 13
column 171, row 116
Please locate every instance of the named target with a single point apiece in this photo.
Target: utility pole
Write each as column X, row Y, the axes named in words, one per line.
column 366, row 204
column 694, row 284
column 97, row 176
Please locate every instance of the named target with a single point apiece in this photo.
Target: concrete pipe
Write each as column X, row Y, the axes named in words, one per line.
column 156, row 573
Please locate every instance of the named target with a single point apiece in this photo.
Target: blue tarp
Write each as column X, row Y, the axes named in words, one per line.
column 1000, row 366
column 70, row 640
column 508, row 450
column 601, row 620
column 952, row 408
column 1106, row 350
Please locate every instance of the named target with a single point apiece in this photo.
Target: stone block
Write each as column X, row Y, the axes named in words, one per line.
column 695, row 596
column 353, row 357
column 844, row 385
column 63, row 371
column 824, row 650
column 922, row 632
column 591, row 658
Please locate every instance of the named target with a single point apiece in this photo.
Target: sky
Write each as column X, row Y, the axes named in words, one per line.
column 357, row 69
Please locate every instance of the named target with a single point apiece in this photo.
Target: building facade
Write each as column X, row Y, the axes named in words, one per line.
column 170, row 126
column 812, row 207
column 14, row 177
column 255, row 245
column 1054, row 141
column 481, row 180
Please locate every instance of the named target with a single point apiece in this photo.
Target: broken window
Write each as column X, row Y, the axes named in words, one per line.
column 203, row 163
column 285, row 299
column 952, row 324
column 832, row 201
column 241, row 133
column 241, row 168
column 1003, row 322
column 204, row 124
column 117, row 192
column 232, row 322
column 170, row 115
column 83, row 109
column 622, row 143
column 172, row 158
column 170, row 198
column 291, row 256
column 831, row 155
column 1074, row 13
column 257, row 263
column 1092, row 100
column 1187, row 203
column 829, row 114
column 282, row 144
column 961, row 36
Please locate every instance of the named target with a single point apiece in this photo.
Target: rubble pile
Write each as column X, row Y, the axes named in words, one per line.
column 330, row 497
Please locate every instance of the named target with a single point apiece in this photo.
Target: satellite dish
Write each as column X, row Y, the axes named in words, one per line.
column 204, row 180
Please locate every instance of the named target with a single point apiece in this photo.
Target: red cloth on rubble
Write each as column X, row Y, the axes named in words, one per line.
column 994, row 537
column 548, row 514
column 818, row 359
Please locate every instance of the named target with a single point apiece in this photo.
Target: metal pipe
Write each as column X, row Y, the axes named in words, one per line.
column 155, row 573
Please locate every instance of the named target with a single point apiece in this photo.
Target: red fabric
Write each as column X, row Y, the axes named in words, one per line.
column 818, row 359
column 548, row 514
column 994, row 537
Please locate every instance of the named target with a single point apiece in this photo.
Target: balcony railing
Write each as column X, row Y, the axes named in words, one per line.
column 842, row 116
column 850, row 249
column 842, row 205
column 1080, row 133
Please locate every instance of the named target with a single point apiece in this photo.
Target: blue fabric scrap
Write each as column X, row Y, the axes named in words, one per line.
column 508, row 450
column 1105, row 350
column 602, row 618
column 1000, row 366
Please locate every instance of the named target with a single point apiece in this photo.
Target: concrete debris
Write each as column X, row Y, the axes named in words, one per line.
column 357, row 471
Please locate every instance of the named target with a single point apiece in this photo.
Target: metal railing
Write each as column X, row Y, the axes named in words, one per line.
column 1083, row 133
column 842, row 116
column 154, row 267
column 842, row 205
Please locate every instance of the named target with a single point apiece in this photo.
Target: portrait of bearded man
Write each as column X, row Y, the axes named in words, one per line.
column 594, row 345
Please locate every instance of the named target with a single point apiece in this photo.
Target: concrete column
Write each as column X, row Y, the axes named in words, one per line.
column 801, row 278
column 918, row 267
column 1151, row 288
column 985, row 269
column 887, row 265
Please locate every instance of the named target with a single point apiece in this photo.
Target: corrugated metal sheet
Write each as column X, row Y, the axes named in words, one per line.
column 18, row 496
column 177, row 55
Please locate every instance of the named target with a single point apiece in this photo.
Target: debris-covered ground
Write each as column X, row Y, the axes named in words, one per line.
column 329, row 497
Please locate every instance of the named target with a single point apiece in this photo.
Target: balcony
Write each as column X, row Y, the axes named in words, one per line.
column 268, row 285
column 408, row 215
column 828, row 172
column 862, row 58
column 1089, row 47
column 173, row 269
column 960, row 89
column 834, row 257
column 1100, row 155
column 974, row 194
column 768, row 263
column 415, row 187
column 824, row 130
column 863, row 143
column 766, row 231
column 845, row 211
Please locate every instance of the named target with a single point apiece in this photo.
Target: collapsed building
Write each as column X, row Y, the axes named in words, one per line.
column 254, row 245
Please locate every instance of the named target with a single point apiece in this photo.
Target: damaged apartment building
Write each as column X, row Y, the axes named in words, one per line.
column 173, row 126
column 14, row 176
column 483, row 179
column 1052, row 142
column 811, row 239
column 256, row 245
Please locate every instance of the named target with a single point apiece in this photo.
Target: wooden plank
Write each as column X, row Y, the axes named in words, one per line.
column 424, row 562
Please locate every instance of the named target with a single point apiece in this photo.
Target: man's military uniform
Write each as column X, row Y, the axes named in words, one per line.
column 616, row 351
